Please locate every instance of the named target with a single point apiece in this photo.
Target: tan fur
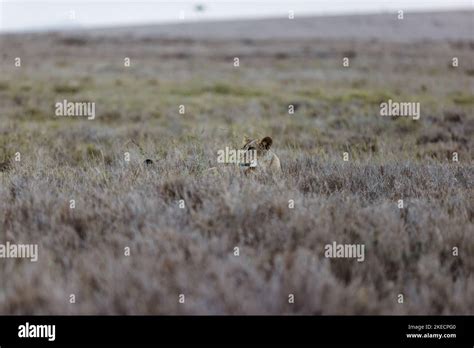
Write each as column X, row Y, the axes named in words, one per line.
column 267, row 160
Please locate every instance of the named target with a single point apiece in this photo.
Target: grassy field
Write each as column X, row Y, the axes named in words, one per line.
column 190, row 251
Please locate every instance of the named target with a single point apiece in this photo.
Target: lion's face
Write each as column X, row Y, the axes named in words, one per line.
column 258, row 148
column 261, row 146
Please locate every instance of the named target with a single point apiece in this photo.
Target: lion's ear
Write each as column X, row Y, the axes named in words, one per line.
column 245, row 140
column 266, row 143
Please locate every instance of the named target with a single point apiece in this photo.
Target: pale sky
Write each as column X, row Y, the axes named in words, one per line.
column 18, row 15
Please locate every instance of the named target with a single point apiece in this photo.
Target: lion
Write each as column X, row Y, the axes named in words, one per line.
column 266, row 160
column 262, row 159
column 255, row 157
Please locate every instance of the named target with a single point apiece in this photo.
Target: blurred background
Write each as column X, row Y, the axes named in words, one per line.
column 19, row 15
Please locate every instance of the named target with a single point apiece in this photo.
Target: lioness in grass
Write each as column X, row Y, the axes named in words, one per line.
column 255, row 157
column 266, row 160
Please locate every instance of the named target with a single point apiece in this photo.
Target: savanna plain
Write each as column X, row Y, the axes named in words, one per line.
column 123, row 204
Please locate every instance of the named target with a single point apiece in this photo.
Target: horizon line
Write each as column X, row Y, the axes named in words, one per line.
column 220, row 19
